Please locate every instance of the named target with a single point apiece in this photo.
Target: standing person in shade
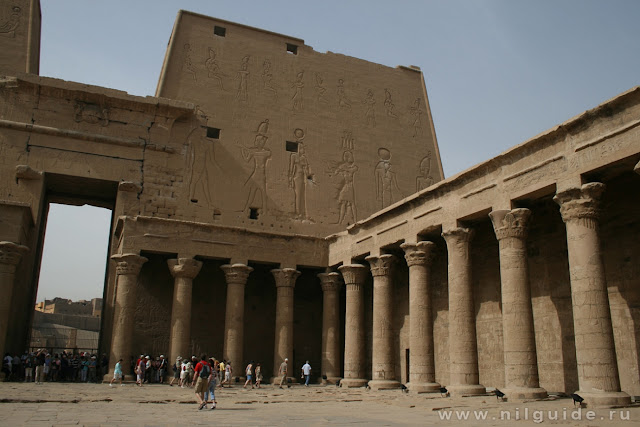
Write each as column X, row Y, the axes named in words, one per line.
column 162, row 369
column 258, row 375
column 40, row 366
column 85, row 369
column 201, row 375
column 93, row 369
column 142, row 366
column 213, row 382
column 248, row 370
column 282, row 371
column 28, row 368
column 117, row 374
column 306, row 373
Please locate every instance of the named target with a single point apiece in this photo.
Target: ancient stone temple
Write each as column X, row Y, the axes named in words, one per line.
column 274, row 202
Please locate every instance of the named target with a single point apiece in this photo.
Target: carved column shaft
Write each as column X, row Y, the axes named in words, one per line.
column 127, row 269
column 283, row 348
column 463, row 348
column 422, row 373
column 520, row 360
column 184, row 270
column 330, row 283
column 382, row 360
column 236, row 276
column 595, row 350
column 354, row 276
column 10, row 256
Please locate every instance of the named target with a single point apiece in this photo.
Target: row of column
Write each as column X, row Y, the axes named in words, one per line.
column 596, row 359
column 184, row 270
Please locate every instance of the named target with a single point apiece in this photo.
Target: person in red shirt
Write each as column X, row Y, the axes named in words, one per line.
column 201, row 380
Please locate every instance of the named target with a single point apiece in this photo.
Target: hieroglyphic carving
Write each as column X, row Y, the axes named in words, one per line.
column 213, row 68
column 299, row 176
column 386, row 181
column 388, row 104
column 260, row 155
column 416, row 112
column 297, row 99
column 424, row 180
column 343, row 101
column 242, row 94
column 8, row 27
column 320, row 89
column 347, row 140
column 202, row 159
column 267, row 79
column 370, row 113
column 346, row 196
column 91, row 113
column 188, row 63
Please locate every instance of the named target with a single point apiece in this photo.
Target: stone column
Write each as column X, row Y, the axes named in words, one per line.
column 422, row 370
column 236, row 275
column 184, row 270
column 463, row 348
column 354, row 276
column 283, row 348
column 520, row 359
column 382, row 361
column 595, row 351
column 127, row 269
column 330, row 283
column 10, row 255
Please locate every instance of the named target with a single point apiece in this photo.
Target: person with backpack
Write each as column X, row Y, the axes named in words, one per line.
column 201, row 380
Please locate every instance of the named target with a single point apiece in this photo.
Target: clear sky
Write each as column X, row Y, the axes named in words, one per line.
column 498, row 72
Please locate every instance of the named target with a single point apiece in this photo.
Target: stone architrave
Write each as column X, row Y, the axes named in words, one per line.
column 10, row 255
column 354, row 276
column 463, row 348
column 236, row 276
column 422, row 371
column 520, row 358
column 595, row 349
column 127, row 269
column 382, row 360
column 330, row 283
column 184, row 270
column 283, row 347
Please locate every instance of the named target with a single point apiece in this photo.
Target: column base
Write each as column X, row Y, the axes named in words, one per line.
column 522, row 393
column 417, row 387
column 604, row 399
column 466, row 389
column 353, row 382
column 384, row 384
column 330, row 381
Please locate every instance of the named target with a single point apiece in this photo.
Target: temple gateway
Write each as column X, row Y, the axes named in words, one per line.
column 272, row 201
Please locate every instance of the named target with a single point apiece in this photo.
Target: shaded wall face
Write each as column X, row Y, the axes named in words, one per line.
column 259, row 319
column 551, row 298
column 208, row 305
column 485, row 275
column 620, row 230
column 307, row 324
column 440, row 307
column 401, row 324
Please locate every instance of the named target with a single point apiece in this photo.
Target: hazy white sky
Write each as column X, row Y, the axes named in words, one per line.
column 498, row 72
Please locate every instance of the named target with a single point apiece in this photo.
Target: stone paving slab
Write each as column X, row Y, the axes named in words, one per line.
column 53, row 404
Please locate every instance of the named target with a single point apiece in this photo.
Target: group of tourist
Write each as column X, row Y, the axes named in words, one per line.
column 41, row 365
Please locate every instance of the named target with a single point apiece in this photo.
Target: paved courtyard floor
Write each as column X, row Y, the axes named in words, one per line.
column 155, row 405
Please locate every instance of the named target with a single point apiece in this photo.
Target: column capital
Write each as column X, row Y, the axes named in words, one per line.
column 580, row 203
column 11, row 253
column 353, row 274
column 285, row 277
column 128, row 263
column 236, row 274
column 184, row 267
column 511, row 223
column 381, row 265
column 459, row 235
column 330, row 281
column 421, row 253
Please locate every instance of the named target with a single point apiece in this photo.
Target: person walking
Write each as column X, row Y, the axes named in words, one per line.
column 258, row 372
column 228, row 370
column 117, row 374
column 213, row 382
column 162, row 369
column 248, row 371
column 201, row 375
column 177, row 368
column 282, row 371
column 306, row 373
